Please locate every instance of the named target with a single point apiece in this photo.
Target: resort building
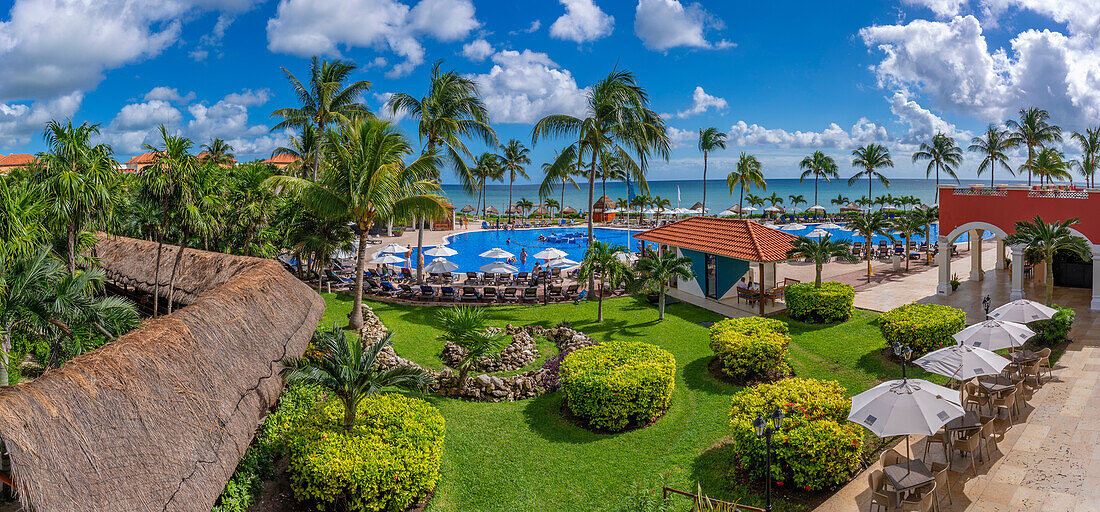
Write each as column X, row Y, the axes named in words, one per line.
column 139, row 162
column 975, row 210
column 603, row 209
column 11, row 162
column 281, row 161
column 722, row 251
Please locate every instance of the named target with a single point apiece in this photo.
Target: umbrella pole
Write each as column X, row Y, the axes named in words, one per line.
column 908, row 456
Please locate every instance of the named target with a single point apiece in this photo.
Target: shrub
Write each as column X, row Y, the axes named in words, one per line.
column 753, row 348
column 830, row 303
column 1053, row 331
column 615, row 385
column 815, row 448
column 924, row 327
column 386, row 462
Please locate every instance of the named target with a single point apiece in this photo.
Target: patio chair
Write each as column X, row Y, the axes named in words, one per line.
column 943, row 483
column 470, row 293
column 788, row 281
column 1007, row 401
column 448, row 277
column 489, row 293
column 555, row 275
column 407, row 274
column 427, row 292
column 1044, row 361
column 510, row 294
column 941, row 438
column 407, row 292
column 988, row 433
column 488, row 278
column 880, row 497
column 891, row 457
column 921, row 500
column 571, row 291
column 522, row 276
column 1032, row 370
column 447, row 293
column 555, row 293
column 388, row 288
column 503, row 279
column 975, row 396
column 471, row 277
column 530, row 294
column 969, row 445
column 750, row 296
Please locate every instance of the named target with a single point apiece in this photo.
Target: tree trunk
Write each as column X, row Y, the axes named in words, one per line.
column 349, row 415
column 661, row 305
column 463, row 374
column 591, row 191
column 317, row 153
column 1049, row 264
column 817, row 278
column 906, row 253
column 704, row 181
column 510, row 209
column 72, row 249
column 5, row 349
column 868, row 257
column 356, row 320
column 420, row 251
column 175, row 266
column 156, row 271
column 599, row 304
column 320, row 274
column 561, row 207
column 1030, row 156
column 741, row 202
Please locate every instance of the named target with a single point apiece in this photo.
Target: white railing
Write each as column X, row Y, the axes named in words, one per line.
column 1059, row 194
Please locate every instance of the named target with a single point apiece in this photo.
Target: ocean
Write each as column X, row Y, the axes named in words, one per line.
column 685, row 193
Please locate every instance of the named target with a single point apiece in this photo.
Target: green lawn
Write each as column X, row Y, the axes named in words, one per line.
column 524, row 456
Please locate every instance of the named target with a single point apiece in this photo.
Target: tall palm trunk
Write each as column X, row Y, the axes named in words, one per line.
column 511, row 209
column 868, row 257
column 815, row 191
column 561, row 206
column 5, row 349
column 599, row 305
column 175, row 267
column 704, row 204
column 1030, row 157
column 320, row 273
column 356, row 320
column 936, row 197
column 741, row 202
column 1048, row 262
column 71, row 235
column 317, row 150
column 591, row 200
column 420, row 253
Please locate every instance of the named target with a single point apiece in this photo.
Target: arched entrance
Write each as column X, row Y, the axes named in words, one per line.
column 976, row 231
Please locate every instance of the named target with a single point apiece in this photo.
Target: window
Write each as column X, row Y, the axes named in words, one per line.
column 712, row 276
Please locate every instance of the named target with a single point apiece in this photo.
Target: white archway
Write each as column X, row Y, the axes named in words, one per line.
column 946, row 243
column 957, row 232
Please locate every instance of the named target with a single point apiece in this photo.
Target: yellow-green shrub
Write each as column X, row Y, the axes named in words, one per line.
column 618, row 384
column 389, row 460
column 815, row 448
column 752, row 348
column 830, row 303
column 924, row 327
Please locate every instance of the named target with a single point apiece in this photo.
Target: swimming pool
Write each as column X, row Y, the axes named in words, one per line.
column 838, row 234
column 572, row 240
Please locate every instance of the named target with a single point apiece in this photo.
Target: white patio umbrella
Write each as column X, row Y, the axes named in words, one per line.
column 496, row 253
column 994, row 335
column 1022, row 311
column 816, row 207
column 748, row 209
column 498, row 267
column 626, row 257
column 903, row 407
column 818, row 233
column 773, row 209
column 394, row 249
column 962, row 362
column 829, row 225
column 387, row 259
column 440, row 250
column 793, row 227
column 727, row 213
column 562, row 263
column 550, row 253
column 439, row 266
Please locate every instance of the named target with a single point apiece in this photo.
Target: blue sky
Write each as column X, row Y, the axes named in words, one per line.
column 782, row 78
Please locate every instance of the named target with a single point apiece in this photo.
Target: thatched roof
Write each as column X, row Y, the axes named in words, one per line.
column 159, row 418
column 851, row 207
column 540, row 210
column 603, row 203
column 512, row 210
column 467, row 209
column 568, row 210
column 491, row 210
column 696, row 206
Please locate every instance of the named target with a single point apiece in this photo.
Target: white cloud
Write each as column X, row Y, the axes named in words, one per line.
column 923, row 124
column 169, row 94
column 19, row 121
column 248, row 97
column 583, row 21
column 943, row 8
column 308, row 27
column 146, row 115
column 1081, row 16
column 833, row 137
column 701, row 102
column 477, row 50
column 523, row 87
column 664, row 24
column 679, row 138
column 535, row 26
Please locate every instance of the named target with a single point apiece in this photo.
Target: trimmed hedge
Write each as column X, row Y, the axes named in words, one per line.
column 752, row 348
column 388, row 461
column 618, row 384
column 924, row 327
column 830, row 303
column 816, row 447
column 1054, row 331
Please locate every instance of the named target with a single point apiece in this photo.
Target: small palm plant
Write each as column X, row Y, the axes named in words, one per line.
column 654, row 273
column 1047, row 239
column 819, row 251
column 465, row 326
column 874, row 223
column 912, row 223
column 600, row 261
column 344, row 368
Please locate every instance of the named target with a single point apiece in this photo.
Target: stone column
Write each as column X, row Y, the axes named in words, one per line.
column 1095, row 305
column 944, row 286
column 1017, row 272
column 1000, row 254
column 976, row 273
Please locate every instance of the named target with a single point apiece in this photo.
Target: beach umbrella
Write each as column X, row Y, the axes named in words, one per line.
column 498, row 267
column 387, row 259
column 440, row 250
column 816, row 207
column 496, row 253
column 569, row 210
column 467, row 209
column 748, row 209
column 994, row 335
column 903, row 407
column 793, row 227
column 773, row 209
column 393, row 249
column 829, row 225
column 626, row 257
column 491, row 210
column 439, row 266
column 962, row 362
column 818, row 233
column 1022, row 311
column 562, row 263
column 726, row 213
column 550, row 253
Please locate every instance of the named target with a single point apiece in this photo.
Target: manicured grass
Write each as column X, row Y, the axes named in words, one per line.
column 525, row 456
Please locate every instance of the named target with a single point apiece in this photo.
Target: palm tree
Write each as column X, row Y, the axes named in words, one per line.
column 655, row 271
column 467, row 327
column 774, row 199
column 797, row 199
column 1090, row 154
column 79, row 180
column 524, row 205
column 600, row 261
column 344, row 368
column 840, row 200
column 326, row 100
column 304, row 147
column 1033, row 130
column 558, row 172
column 617, row 121
column 314, row 238
column 992, row 146
column 367, row 179
column 909, row 224
column 661, row 204
column 819, row 251
column 1049, row 165
column 487, row 168
column 1047, row 239
column 869, row 159
column 943, row 154
column 754, row 200
column 21, row 228
column 513, row 157
column 819, row 165
column 929, row 217
column 710, row 139
column 747, row 174
column 217, row 151
column 869, row 225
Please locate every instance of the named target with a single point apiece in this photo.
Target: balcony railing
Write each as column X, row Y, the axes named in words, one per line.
column 1059, row 194
column 983, row 191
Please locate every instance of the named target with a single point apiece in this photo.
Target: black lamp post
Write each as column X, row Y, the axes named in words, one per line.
column 904, row 353
column 985, row 304
column 765, row 429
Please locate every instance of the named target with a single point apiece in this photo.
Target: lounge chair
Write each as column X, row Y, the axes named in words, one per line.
column 510, row 294
column 555, row 275
column 427, row 292
column 470, row 293
column 522, row 276
column 530, row 294
column 490, row 294
column 388, row 289
column 503, row 279
column 406, row 274
column 434, row 277
column 555, row 293
column 448, row 277
column 342, row 281
column 447, row 293
column 488, row 278
column 571, row 291
column 472, row 278
column 407, row 292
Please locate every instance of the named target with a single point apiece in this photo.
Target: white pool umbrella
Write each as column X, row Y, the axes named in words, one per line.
column 496, row 253
column 793, row 227
column 962, row 362
column 773, row 209
column 441, row 250
column 498, row 267
column 387, row 259
column 818, row 233
column 550, row 253
column 394, row 249
column 748, row 209
column 1022, row 311
column 816, row 207
column 829, row 225
column 903, row 407
column 626, row 257
column 562, row 263
column 727, row 213
column 439, row 266
column 994, row 335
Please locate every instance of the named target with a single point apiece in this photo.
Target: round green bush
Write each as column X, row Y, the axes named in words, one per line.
column 752, row 348
column 924, row 327
column 830, row 303
column 618, row 384
column 388, row 461
column 1053, row 331
column 815, row 448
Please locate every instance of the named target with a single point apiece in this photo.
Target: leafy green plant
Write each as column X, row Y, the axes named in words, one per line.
column 618, row 384
column 955, row 282
column 752, row 348
column 1053, row 331
column 1047, row 239
column 924, row 327
column 832, row 302
column 654, row 272
column 466, row 327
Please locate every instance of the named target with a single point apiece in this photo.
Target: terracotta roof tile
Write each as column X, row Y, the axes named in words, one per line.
column 735, row 238
column 281, row 159
column 16, row 160
column 144, row 158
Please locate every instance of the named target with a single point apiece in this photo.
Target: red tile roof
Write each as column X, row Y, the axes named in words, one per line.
column 17, row 160
column 144, row 158
column 735, row 238
column 281, row 159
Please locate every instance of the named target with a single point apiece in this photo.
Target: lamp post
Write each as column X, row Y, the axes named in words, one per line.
column 904, row 353
column 985, row 304
column 766, row 429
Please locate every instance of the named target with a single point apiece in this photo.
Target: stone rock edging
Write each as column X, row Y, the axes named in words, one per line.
column 517, row 354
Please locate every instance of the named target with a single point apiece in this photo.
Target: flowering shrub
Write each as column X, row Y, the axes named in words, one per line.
column 389, row 460
column 815, row 448
column 615, row 385
column 1053, row 331
column 752, row 348
column 830, row 303
column 924, row 327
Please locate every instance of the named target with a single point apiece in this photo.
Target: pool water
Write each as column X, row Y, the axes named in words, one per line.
column 838, row 234
column 572, row 240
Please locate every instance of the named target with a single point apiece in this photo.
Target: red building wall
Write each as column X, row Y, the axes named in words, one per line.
column 958, row 207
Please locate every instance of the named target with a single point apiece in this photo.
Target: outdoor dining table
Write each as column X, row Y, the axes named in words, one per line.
column 968, row 421
column 908, row 475
column 1024, row 357
column 996, row 384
